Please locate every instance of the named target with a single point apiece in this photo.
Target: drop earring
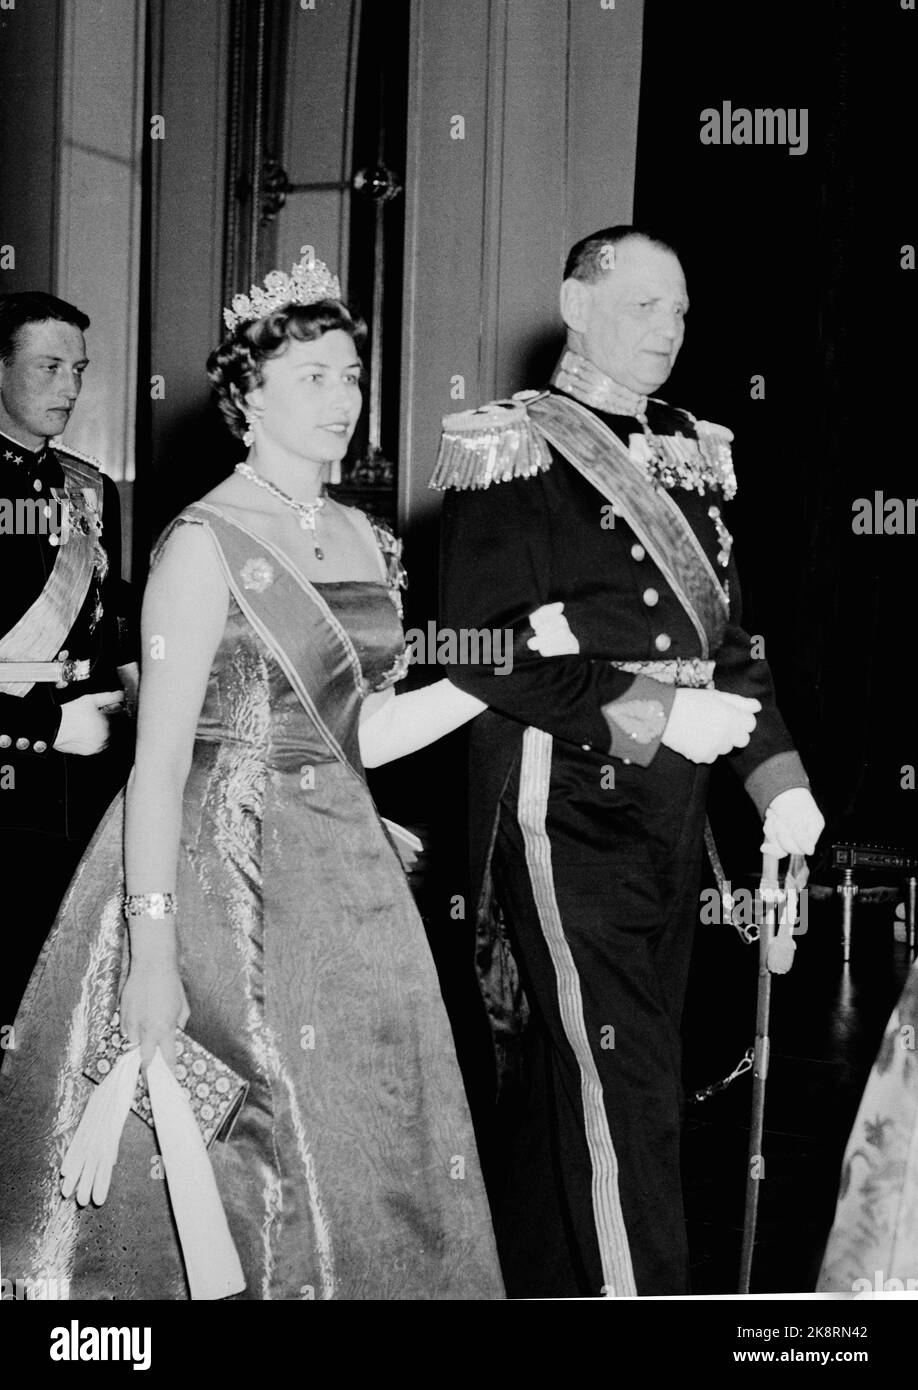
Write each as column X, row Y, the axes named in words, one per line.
column 248, row 437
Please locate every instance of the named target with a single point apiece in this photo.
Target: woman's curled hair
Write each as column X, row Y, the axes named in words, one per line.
column 235, row 367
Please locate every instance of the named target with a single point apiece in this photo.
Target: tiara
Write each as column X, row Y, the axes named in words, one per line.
column 310, row 281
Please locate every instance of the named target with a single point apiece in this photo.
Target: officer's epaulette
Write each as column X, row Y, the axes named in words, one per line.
column 492, row 444
column 77, row 454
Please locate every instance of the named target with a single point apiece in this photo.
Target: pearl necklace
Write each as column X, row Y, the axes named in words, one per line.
column 306, row 511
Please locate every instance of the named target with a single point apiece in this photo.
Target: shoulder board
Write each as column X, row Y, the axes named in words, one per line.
column 492, row 444
column 78, row 455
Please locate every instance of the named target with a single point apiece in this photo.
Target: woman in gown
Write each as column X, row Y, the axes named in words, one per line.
column 295, row 952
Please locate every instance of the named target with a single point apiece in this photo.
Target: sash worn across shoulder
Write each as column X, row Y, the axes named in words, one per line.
column 289, row 615
column 599, row 455
column 41, row 631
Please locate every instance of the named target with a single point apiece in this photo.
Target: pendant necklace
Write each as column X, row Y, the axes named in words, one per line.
column 306, row 511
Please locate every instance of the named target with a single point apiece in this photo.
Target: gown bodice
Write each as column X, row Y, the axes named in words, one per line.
column 249, row 699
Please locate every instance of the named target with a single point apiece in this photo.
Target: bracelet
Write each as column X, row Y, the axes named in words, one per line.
column 155, row 905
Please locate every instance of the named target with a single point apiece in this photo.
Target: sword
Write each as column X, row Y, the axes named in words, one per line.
column 776, row 955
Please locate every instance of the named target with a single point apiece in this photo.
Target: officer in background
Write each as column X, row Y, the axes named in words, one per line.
column 589, row 770
column 67, row 629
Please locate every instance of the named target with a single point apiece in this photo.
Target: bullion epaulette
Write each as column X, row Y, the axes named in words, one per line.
column 78, row 454
column 492, row 444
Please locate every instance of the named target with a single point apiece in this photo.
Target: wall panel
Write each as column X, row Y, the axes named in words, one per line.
column 548, row 91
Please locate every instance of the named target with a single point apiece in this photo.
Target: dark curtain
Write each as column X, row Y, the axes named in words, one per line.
column 793, row 263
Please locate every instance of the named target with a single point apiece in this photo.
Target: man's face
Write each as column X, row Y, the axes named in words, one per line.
column 40, row 383
column 630, row 323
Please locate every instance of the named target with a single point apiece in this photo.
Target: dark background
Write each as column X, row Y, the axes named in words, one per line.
column 793, row 265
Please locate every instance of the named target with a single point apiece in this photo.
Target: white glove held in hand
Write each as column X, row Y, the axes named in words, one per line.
column 793, row 822
column 93, row 1152
column 211, row 1261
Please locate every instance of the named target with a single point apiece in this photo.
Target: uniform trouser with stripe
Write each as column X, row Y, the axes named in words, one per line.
column 603, row 936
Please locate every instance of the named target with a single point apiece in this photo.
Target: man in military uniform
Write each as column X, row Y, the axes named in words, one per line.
column 65, row 629
column 589, row 771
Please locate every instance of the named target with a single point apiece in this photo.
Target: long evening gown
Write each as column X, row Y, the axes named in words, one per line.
column 873, row 1244
column 351, row 1171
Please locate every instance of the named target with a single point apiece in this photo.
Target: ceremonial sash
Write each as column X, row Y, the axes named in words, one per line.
column 600, row 456
column 42, row 630
column 270, row 590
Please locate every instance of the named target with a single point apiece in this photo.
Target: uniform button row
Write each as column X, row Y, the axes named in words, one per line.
column 663, row 642
column 22, row 744
column 651, row 597
column 637, row 551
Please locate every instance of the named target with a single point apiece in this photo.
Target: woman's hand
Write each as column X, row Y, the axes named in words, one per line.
column 553, row 636
column 152, row 1006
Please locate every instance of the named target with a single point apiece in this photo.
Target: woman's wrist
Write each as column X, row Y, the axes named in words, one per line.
column 152, row 941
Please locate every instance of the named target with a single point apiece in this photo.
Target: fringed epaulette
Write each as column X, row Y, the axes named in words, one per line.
column 492, row 444
column 714, row 446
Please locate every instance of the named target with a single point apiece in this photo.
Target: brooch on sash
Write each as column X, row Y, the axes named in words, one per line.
column 257, row 574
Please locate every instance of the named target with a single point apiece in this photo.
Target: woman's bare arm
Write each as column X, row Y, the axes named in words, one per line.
column 183, row 618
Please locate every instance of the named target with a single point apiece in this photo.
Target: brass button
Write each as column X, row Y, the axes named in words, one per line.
column 637, row 551
column 22, row 744
column 40, row 746
column 62, row 654
column 663, row 642
column 651, row 597
column 36, row 483
column 53, row 540
column 5, row 740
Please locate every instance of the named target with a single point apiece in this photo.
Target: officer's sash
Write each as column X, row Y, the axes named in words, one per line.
column 42, row 630
column 600, row 456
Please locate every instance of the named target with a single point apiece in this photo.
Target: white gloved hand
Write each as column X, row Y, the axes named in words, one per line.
column 89, row 1161
column 705, row 724
column 553, row 636
column 793, row 822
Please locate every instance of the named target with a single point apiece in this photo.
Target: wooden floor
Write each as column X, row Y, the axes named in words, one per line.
column 827, row 1022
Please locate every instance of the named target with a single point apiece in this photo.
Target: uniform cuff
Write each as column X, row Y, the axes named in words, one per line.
column 636, row 720
column 776, row 774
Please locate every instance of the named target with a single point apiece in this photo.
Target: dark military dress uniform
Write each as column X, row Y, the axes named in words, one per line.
column 51, row 802
column 587, row 827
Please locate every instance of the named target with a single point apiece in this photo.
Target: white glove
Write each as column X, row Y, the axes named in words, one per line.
column 93, row 1152
column 211, row 1261
column 793, row 823
column 553, row 636
column 704, row 724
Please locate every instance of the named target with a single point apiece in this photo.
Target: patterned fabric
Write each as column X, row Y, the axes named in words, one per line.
column 875, row 1234
column 351, row 1171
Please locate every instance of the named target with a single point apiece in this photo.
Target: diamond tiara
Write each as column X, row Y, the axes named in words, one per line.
column 310, row 281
